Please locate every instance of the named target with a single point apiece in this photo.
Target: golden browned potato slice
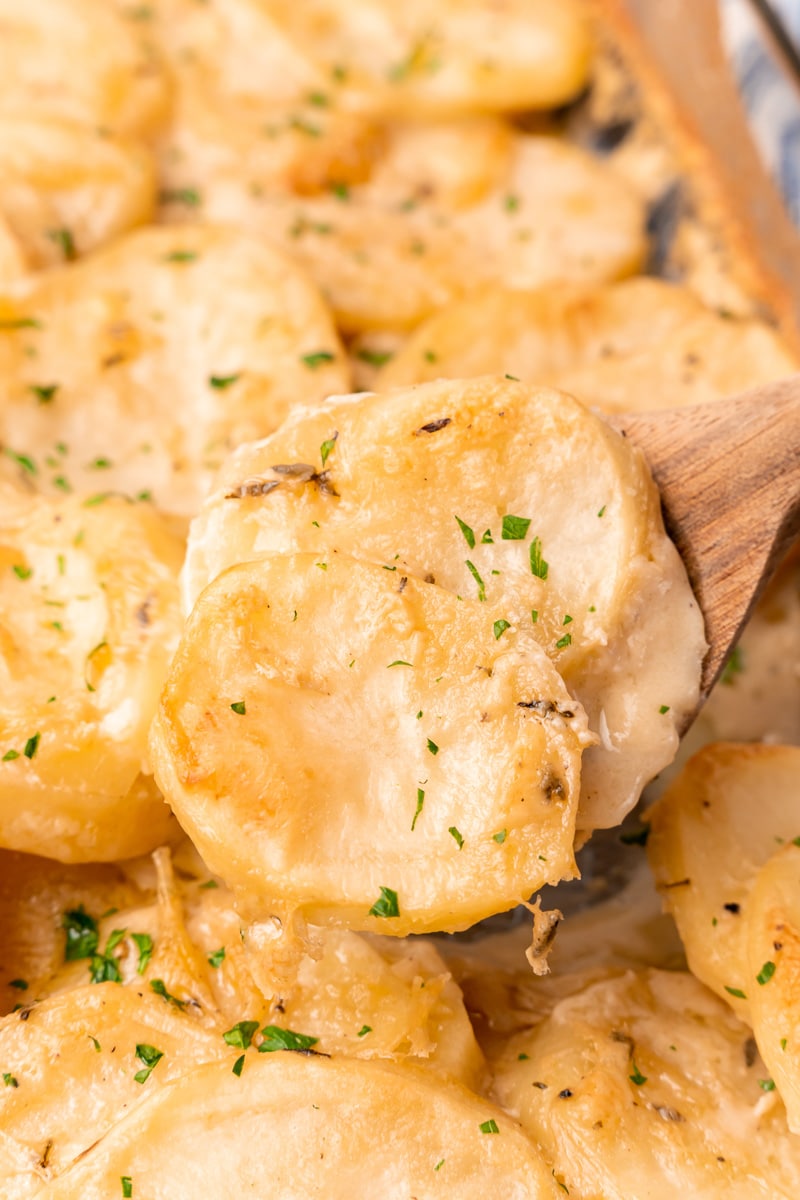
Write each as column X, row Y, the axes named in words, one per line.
column 555, row 215
column 66, row 188
column 633, row 346
column 82, row 61
column 346, row 741
column 492, row 489
column 89, row 617
column 773, row 959
column 461, row 56
column 299, row 1126
column 719, row 822
column 153, row 358
column 647, row 1086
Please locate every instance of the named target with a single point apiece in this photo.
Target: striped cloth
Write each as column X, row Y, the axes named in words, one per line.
column 772, row 102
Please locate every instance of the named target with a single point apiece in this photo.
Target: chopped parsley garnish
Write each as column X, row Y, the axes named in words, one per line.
column 534, row 615
column 20, row 984
column 439, row 1165
column 150, row 1057
column 523, row 1057
column 242, row 1034
column 473, row 570
column 65, row 242
column 487, row 539
column 238, row 1066
column 430, row 356
column 82, row 935
column 20, row 323
column 399, row 662
column 239, row 707
column 209, row 883
column 276, row 1038
column 469, row 536
column 567, row 620
column 386, row 905
column 364, row 1030
column 767, row 1085
column 22, row 460
column 374, row 358
column 160, row 989
column 601, row 511
column 220, row 382
column 636, row 1076
column 489, row 1126
column 539, row 567
column 434, row 749
column 766, row 973
column 95, row 1043
column 515, row 529
column 735, row 992
column 500, row 837
column 456, row 836
column 326, row 447
column 217, row 957
column 9, row 1080
column 341, row 191
column 499, row 628
column 127, row 1187
column 144, row 944
column 317, row 359
column 100, row 464
column 566, row 640
column 104, row 968
column 21, row 572
column 180, row 256
column 10, row 755
column 32, row 745
column 733, row 667
column 664, row 709
column 44, row 393
column 418, row 810
column 188, row 196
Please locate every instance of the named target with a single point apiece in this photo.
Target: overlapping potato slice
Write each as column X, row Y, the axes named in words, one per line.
column 307, row 1125
column 89, row 617
column 719, row 822
column 555, row 215
column 344, row 740
column 83, row 61
column 584, row 548
column 151, row 359
column 66, row 188
column 637, row 345
column 466, row 56
column 644, row 1085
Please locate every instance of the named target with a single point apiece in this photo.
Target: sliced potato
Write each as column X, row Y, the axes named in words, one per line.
column 773, row 958
column 66, row 188
column 464, row 56
column 13, row 263
column 642, row 1086
column 89, row 617
column 303, row 1126
column 633, row 346
column 553, row 214
column 720, row 821
column 82, row 61
column 461, row 811
column 408, row 466
column 151, row 359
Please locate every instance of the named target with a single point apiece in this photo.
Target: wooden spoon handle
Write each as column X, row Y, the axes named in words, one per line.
column 729, row 476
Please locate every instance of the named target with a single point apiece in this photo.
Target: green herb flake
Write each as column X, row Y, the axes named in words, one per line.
column 489, row 1126
column 100, row 464
column 523, row 1057
column 539, row 567
column 221, row 382
column 515, row 529
column 180, row 256
column 317, row 359
column 10, row 1080
column 160, row 989
column 488, row 540
column 783, row 1043
column 456, row 836
column 418, row 810
column 12, row 323
column 767, row 1085
column 239, row 707
column 636, row 1075
column 150, row 1057
column 44, row 393
column 10, row 755
column 65, row 242
column 238, row 1066
column 473, row 570
column 430, row 356
column 399, row 662
column 566, row 640
column 601, row 512
column 499, row 628
column 22, row 460
column 188, row 196
column 144, row 944
column 386, row 905
column 326, row 447
column 242, row 1034
column 20, row 984
column 664, row 709
column 61, row 563
column 469, row 536
column 434, row 749
column 208, row 885
column 439, row 1165
column 95, row 1043
column 81, row 934
column 32, row 745
column 127, row 1187
column 534, row 615
column 500, row 836
column 217, row 957
column 364, row 1030
column 737, row 992
column 766, row 973
column 341, row 191
column 567, row 620
column 374, row 358
column 276, row 1038
column 21, row 572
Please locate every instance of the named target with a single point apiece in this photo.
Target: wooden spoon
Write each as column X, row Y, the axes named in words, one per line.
column 729, row 476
